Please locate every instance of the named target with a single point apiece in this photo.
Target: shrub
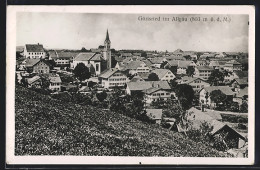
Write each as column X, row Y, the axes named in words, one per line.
column 241, row 126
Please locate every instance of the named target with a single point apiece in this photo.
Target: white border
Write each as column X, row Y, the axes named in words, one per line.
column 10, row 79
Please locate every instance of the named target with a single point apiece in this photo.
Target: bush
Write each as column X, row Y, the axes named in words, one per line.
column 241, row 126
column 234, row 118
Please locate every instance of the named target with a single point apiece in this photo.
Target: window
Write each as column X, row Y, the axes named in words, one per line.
column 97, row 67
column 162, row 94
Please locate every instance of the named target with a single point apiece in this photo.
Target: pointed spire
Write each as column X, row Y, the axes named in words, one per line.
column 107, row 37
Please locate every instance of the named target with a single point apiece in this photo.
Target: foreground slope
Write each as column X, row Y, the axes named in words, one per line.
column 46, row 126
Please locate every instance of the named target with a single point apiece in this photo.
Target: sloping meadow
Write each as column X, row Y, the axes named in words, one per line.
column 46, row 126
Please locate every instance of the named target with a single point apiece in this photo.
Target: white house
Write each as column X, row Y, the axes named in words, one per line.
column 203, row 72
column 164, row 74
column 137, row 67
column 156, row 93
column 195, row 82
column 55, row 82
column 34, row 51
column 112, row 78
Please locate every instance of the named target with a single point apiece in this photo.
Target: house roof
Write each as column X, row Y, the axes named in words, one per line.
column 205, row 68
column 218, row 126
column 242, row 81
column 151, row 90
column 241, row 74
column 213, row 63
column 84, row 56
column 34, row 48
column 233, row 62
column 155, row 114
column 243, row 92
column 97, row 57
column 84, row 89
column 134, row 64
column 31, row 62
column 144, row 75
column 66, row 55
column 224, row 89
column 33, row 79
column 161, row 72
column 55, row 79
column 156, row 60
column 108, row 73
column 187, row 80
column 136, row 78
column 148, row 62
column 143, row 85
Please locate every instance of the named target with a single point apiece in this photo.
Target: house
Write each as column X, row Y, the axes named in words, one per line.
column 84, row 90
column 155, row 93
column 238, row 84
column 155, row 114
column 157, row 61
column 164, row 74
column 113, row 77
column 94, row 59
column 206, row 56
column 37, row 66
column 241, row 96
column 181, row 65
column 195, row 82
column 135, row 67
column 63, row 58
column 136, row 78
column 232, row 65
column 236, row 75
column 133, row 87
column 206, row 91
column 35, row 82
column 55, row 82
column 232, row 138
column 203, row 72
column 214, row 64
column 34, row 51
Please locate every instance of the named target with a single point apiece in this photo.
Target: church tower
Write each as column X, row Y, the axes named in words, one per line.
column 107, row 51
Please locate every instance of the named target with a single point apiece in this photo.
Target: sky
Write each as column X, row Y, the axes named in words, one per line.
column 127, row 31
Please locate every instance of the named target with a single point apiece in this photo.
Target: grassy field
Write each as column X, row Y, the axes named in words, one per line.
column 46, row 126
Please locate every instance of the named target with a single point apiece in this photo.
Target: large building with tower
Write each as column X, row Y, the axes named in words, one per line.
column 97, row 61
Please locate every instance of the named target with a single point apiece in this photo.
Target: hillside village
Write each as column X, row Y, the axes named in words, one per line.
column 187, row 92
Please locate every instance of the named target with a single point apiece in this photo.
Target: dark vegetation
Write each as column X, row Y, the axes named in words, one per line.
column 47, row 126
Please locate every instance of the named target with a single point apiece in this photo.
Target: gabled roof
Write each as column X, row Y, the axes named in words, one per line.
column 33, row 79
column 241, row 74
column 143, row 85
column 31, row 62
column 242, row 81
column 144, row 75
column 148, row 62
column 55, row 79
column 34, row 48
column 84, row 56
column 224, row 89
column 108, row 73
column 205, row 68
column 243, row 92
column 156, row 60
column 232, row 62
column 151, row 90
column 134, row 64
column 155, row 114
column 187, row 80
column 97, row 57
column 136, row 78
column 161, row 72
column 66, row 55
column 218, row 126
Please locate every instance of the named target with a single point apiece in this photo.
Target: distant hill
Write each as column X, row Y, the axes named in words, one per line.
column 47, row 126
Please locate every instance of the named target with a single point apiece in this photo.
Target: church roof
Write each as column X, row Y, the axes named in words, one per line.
column 107, row 37
column 97, row 57
column 84, row 56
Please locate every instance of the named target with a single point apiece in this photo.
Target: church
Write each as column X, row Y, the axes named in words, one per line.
column 97, row 62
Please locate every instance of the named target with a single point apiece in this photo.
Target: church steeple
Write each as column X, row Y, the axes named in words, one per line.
column 107, row 37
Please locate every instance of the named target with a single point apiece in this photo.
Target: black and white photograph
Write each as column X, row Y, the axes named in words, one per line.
column 136, row 85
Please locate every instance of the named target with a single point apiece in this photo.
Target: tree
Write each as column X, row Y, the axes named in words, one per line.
column 153, row 77
column 81, row 72
column 190, row 71
column 187, row 57
column 91, row 84
column 83, row 49
column 173, row 83
column 173, row 69
column 215, row 77
column 217, row 96
column 185, row 95
column 244, row 107
column 172, row 109
column 45, row 83
column 101, row 96
column 234, row 107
